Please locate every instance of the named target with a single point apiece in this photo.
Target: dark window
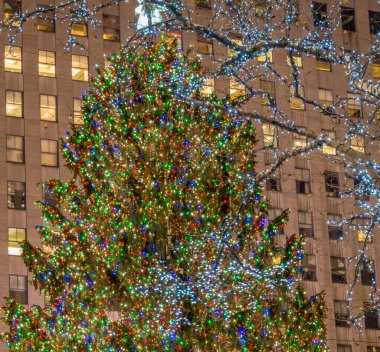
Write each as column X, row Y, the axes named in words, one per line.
column 359, row 190
column 303, row 184
column 332, row 184
column 348, row 19
column 319, row 14
column 203, row 3
column 373, row 349
column 371, row 319
column 273, row 184
column 344, row 348
column 309, row 267
column 338, row 270
column 305, row 224
column 111, row 28
column 334, row 228
column 16, row 195
column 342, row 313
column 45, row 20
column 273, row 213
column 12, row 12
column 374, row 22
column 18, row 288
column 50, row 198
column 367, row 273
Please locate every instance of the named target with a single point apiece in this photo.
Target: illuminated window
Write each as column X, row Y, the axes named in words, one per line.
column 309, row 267
column 348, row 19
column 357, row 143
column 325, row 97
column 295, row 102
column 342, row 313
column 175, row 37
column 363, row 229
column 13, row 103
column 46, row 63
column 48, row 108
column 13, row 59
column 354, row 106
column 332, row 184
column 237, row 89
column 319, row 11
column 77, row 111
column 269, row 91
column 374, row 22
column 238, row 43
column 303, row 181
column 79, row 68
column 45, row 20
column 16, row 195
column 266, row 57
column 305, row 224
column 376, row 67
column 79, row 29
column 299, row 140
column 334, row 227
column 18, row 288
column 15, row 236
column 323, row 65
column 12, row 12
column 270, row 135
column 326, row 149
column 111, row 28
column 49, row 152
column 338, row 270
column 206, row 4
column 208, row 87
column 204, row 45
column 297, row 58
column 15, row 149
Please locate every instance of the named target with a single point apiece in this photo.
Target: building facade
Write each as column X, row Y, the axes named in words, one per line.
column 40, row 89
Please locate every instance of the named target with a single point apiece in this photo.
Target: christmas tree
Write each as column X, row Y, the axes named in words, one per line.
column 161, row 241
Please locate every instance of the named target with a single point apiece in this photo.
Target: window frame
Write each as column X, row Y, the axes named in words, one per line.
column 48, row 107
column 48, row 153
column 82, row 71
column 13, row 55
column 9, row 149
column 336, row 276
column 44, row 68
column 25, row 290
column 16, row 249
column 18, row 105
column 14, row 198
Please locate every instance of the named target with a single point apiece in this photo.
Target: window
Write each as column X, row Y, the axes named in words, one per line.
column 303, row 182
column 48, row 108
column 327, row 149
column 111, row 28
column 45, row 20
column 77, row 111
column 49, row 152
column 344, row 348
column 338, row 270
column 374, row 22
column 323, row 65
column 15, row 236
column 348, row 19
column 204, row 45
column 332, row 184
column 237, row 89
column 46, row 63
column 16, row 195
column 342, row 313
column 319, row 11
column 12, row 12
column 297, row 58
column 231, row 52
column 373, row 349
column 268, row 92
column 295, row 102
column 270, row 136
column 49, row 198
column 376, row 67
column 18, row 288
column 334, row 228
column 354, row 106
column 362, row 225
column 371, row 317
column 15, row 149
column 13, row 101
column 305, row 224
column 266, row 57
column 325, row 97
column 176, row 37
column 357, row 143
column 13, row 59
column 79, row 68
column 367, row 273
column 299, row 140
column 273, row 213
column 309, row 267
column 78, row 28
column 273, row 183
column 203, row 4
column 208, row 87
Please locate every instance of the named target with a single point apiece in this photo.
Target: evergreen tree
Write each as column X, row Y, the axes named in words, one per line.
column 163, row 241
